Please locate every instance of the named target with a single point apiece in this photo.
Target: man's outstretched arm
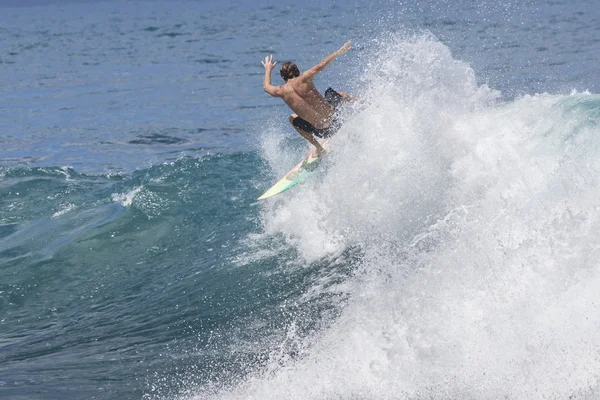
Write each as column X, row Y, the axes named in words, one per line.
column 311, row 73
column 269, row 65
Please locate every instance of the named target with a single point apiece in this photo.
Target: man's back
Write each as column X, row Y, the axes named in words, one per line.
column 306, row 101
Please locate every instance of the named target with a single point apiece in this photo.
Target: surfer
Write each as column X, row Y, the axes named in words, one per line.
column 314, row 114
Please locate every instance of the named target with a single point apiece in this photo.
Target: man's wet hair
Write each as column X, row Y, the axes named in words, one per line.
column 289, row 70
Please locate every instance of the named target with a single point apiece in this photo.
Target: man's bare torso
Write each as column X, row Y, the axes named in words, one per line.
column 304, row 99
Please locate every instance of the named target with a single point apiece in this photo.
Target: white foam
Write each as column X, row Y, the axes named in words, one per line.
column 126, row 199
column 480, row 225
column 65, row 208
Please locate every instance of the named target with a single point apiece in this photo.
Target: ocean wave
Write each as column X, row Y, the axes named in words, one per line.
column 477, row 224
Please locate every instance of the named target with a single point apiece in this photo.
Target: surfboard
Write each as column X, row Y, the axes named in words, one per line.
column 296, row 174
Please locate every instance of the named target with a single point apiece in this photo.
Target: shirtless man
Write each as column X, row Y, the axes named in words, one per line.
column 313, row 113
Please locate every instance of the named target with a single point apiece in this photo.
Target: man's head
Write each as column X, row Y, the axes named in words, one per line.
column 289, row 70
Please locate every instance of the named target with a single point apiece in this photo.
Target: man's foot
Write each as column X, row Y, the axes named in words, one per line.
column 320, row 151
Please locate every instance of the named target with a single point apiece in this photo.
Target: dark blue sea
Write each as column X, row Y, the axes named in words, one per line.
column 447, row 248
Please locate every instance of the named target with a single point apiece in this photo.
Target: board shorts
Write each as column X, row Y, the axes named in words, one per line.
column 334, row 99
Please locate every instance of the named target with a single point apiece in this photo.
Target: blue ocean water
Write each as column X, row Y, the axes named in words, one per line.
column 448, row 247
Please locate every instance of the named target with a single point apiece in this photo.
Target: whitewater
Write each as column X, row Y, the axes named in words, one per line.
column 478, row 226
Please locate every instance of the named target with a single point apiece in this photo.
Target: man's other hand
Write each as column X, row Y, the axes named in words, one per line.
column 345, row 48
column 268, row 63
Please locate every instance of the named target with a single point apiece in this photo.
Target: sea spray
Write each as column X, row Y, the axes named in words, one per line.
column 478, row 225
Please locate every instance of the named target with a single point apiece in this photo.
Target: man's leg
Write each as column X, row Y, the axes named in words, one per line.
column 335, row 98
column 347, row 97
column 308, row 136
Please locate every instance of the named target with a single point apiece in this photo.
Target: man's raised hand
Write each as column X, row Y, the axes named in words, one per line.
column 345, row 48
column 268, row 63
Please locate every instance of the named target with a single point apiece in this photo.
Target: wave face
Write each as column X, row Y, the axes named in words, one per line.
column 110, row 281
column 151, row 284
column 478, row 227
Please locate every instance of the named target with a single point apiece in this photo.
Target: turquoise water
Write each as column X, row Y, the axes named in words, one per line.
column 447, row 248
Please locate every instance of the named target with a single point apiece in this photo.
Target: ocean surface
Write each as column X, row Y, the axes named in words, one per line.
column 448, row 247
